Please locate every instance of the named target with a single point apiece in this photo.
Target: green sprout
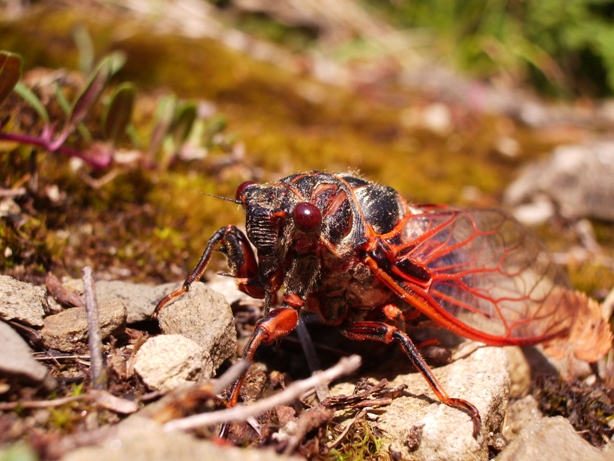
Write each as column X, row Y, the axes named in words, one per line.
column 51, row 138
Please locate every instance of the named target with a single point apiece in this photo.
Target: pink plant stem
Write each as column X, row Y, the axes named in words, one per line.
column 64, row 150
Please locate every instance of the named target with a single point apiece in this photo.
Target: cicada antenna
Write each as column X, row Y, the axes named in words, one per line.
column 238, row 202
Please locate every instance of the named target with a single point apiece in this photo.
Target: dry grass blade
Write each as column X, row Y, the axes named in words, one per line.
column 62, row 295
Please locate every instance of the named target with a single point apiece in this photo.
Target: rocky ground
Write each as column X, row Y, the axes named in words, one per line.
column 154, row 377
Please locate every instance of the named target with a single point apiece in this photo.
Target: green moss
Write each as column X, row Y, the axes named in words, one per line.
column 592, row 277
column 146, row 220
column 18, row 452
column 360, row 443
column 282, row 129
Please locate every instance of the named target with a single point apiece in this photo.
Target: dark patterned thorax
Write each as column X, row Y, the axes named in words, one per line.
column 352, row 211
column 325, row 266
column 348, row 204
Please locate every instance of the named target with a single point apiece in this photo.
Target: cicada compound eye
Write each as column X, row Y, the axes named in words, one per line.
column 307, row 216
column 241, row 189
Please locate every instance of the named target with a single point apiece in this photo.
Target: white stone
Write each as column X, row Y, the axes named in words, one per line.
column 205, row 317
column 166, row 362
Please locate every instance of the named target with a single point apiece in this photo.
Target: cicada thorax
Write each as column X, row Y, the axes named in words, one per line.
column 329, row 258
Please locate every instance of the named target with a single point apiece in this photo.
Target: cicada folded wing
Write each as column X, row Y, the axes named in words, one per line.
column 490, row 279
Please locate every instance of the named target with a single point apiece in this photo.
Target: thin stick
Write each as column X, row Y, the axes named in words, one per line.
column 345, row 366
column 7, row 406
column 230, row 376
column 61, row 357
column 13, row 192
column 102, row 398
column 97, row 370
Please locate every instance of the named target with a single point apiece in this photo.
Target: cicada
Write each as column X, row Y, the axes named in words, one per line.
column 369, row 262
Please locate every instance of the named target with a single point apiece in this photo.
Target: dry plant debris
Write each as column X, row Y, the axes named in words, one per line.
column 589, row 407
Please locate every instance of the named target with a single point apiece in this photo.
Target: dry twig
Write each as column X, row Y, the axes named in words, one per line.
column 97, row 369
column 241, row 413
column 102, row 398
column 230, row 376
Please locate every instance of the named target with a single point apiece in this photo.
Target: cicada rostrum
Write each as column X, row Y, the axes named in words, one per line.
column 369, row 262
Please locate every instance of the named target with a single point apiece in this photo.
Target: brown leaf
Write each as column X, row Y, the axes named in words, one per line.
column 590, row 336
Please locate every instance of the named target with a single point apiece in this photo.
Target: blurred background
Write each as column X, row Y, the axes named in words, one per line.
column 446, row 101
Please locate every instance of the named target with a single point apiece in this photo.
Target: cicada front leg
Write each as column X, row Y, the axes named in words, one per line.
column 378, row 331
column 241, row 259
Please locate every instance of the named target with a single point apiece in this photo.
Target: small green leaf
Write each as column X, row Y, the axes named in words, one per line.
column 85, row 45
column 119, row 111
column 184, row 121
column 66, row 108
column 163, row 121
column 62, row 101
column 216, row 125
column 90, row 93
column 10, row 73
column 28, row 96
column 116, row 59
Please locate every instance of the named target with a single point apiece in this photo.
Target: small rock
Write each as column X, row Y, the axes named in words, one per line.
column 520, row 414
column 166, row 362
column 539, row 211
column 437, row 118
column 140, row 439
column 228, row 287
column 140, row 300
column 508, row 146
column 519, row 369
column 67, row 331
column 205, row 317
column 21, row 301
column 576, row 178
column 481, row 379
column 551, row 439
column 16, row 359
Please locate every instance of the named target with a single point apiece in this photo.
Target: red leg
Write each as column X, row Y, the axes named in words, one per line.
column 277, row 324
column 378, row 331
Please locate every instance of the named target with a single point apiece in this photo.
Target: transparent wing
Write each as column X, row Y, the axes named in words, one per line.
column 490, row 277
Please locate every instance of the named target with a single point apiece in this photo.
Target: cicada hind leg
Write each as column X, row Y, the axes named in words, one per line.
column 378, row 331
column 276, row 324
column 241, row 259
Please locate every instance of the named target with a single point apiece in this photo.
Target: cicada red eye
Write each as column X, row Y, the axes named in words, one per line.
column 307, row 216
column 241, row 189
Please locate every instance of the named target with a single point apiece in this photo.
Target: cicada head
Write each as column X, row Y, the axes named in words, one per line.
column 263, row 221
column 266, row 225
column 280, row 220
